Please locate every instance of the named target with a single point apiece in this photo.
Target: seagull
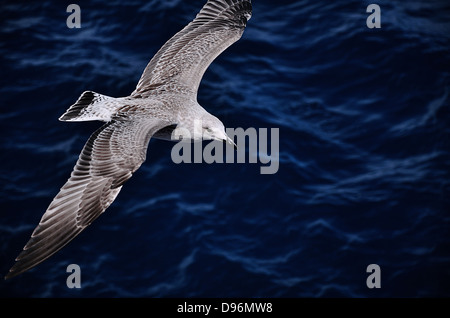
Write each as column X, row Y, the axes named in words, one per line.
column 164, row 101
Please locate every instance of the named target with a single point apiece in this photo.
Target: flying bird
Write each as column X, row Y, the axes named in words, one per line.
column 164, row 100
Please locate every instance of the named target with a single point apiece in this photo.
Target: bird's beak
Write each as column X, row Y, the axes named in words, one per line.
column 230, row 142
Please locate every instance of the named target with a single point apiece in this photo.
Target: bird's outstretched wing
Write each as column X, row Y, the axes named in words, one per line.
column 185, row 57
column 108, row 159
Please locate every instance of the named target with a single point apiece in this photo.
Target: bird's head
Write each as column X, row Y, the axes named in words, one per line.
column 213, row 129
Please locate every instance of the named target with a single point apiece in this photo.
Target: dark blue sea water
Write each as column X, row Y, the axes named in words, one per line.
column 364, row 168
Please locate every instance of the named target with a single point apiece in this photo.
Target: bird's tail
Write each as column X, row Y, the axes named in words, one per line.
column 92, row 106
